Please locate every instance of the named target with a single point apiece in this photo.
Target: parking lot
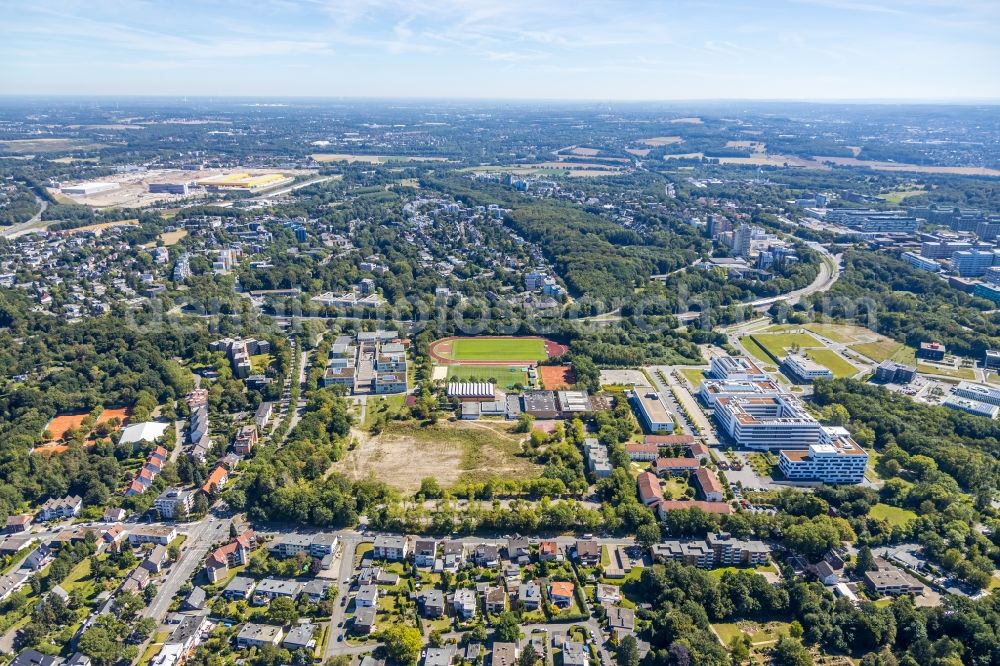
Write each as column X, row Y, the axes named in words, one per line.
column 744, row 476
column 623, row 378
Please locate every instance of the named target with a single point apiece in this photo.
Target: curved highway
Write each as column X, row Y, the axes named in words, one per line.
column 829, row 273
column 15, row 230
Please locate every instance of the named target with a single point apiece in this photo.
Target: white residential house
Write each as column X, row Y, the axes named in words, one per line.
column 465, row 603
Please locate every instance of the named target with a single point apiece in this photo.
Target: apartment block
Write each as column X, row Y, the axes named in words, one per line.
column 837, row 458
column 767, row 422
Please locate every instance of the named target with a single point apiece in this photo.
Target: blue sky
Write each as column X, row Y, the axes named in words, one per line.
column 535, row 49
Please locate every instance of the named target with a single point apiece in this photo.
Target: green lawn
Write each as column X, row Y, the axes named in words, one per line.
column 693, row 375
column 897, row 196
column 894, row 514
column 842, row 333
column 717, row 573
column 154, row 647
column 674, row 487
column 959, row 373
column 505, row 376
column 759, row 633
column 78, row 575
column 755, row 350
column 390, row 404
column 830, row 359
column 502, row 349
column 779, row 343
column 878, row 351
column 362, row 550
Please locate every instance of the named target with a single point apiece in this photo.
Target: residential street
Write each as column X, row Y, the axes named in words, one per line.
column 200, row 538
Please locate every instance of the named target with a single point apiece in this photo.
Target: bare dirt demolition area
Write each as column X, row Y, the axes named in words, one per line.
column 133, row 187
column 405, row 453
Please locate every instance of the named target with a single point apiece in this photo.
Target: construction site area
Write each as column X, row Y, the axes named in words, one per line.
column 137, row 189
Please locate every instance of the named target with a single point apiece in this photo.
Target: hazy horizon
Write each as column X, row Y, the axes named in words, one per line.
column 828, row 51
column 273, row 100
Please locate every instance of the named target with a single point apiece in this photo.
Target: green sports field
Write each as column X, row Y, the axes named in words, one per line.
column 505, row 376
column 498, row 349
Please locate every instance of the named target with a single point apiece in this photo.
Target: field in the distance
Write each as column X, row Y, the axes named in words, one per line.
column 30, row 146
column 169, row 238
column 661, row 140
column 351, row 158
column 100, row 226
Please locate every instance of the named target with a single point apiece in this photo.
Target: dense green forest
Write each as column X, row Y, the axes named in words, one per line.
column 18, row 205
column 939, row 462
column 117, row 360
column 683, row 601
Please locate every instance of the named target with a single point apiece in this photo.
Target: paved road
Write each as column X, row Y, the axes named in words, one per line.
column 179, row 442
column 349, row 544
column 300, row 405
column 829, row 273
column 15, row 230
column 200, row 538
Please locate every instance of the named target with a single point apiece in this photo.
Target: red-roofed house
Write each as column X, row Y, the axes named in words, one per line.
column 233, row 554
column 549, row 551
column 649, row 489
column 675, row 465
column 561, row 593
column 699, row 450
column 710, row 486
column 644, row 452
column 216, row 481
column 19, row 523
